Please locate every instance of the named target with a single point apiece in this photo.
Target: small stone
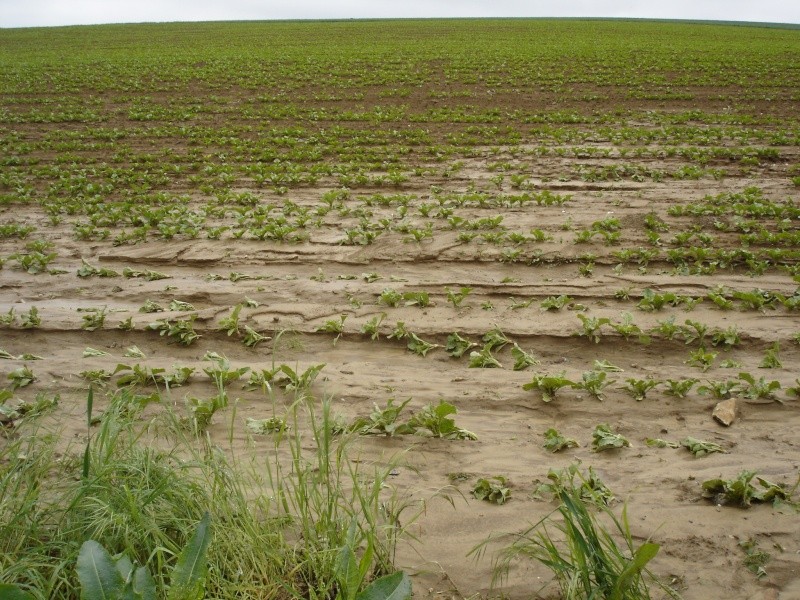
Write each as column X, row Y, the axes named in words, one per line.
column 725, row 412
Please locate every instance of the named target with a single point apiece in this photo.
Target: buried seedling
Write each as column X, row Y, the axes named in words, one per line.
column 383, row 420
column 741, row 492
column 700, row 448
column 483, row 359
column 605, row 439
column 456, row 345
column 180, row 330
column 555, row 442
column 419, row 346
column 492, row 489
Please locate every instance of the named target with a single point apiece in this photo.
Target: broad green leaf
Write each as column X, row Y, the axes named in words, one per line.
column 100, row 579
column 144, row 587
column 347, row 572
column 396, row 586
column 125, row 567
column 188, row 577
column 14, row 592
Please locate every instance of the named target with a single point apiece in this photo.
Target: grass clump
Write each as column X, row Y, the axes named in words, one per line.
column 141, row 491
column 588, row 558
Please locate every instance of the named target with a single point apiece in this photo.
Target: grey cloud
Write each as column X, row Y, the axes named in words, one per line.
column 27, row 13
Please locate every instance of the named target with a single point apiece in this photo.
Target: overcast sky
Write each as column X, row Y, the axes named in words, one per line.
column 31, row 13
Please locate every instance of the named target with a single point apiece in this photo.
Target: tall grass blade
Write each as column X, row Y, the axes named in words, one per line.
column 86, row 453
column 643, row 555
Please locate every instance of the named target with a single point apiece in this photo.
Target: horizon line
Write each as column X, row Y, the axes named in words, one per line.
column 767, row 24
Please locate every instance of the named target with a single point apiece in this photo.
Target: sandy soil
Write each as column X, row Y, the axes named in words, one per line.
column 301, row 286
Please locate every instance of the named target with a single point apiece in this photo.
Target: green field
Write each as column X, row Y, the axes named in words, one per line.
column 303, row 265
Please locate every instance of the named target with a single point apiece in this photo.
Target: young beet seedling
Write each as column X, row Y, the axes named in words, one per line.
column 548, row 385
column 555, row 302
column 679, row 388
column 701, row 359
column 638, row 388
column 438, row 421
column 483, row 359
column 21, row 377
column 390, row 297
column 495, row 339
column 594, row 382
column 420, row 299
column 740, row 491
column 627, row 328
column 771, row 359
column 720, row 390
column 592, row 327
column 252, row 338
column 230, row 324
column 31, row 319
column 456, row 298
column 333, row 326
column 182, row 330
column 758, row 389
column 727, row 338
column 700, row 448
column 372, row 327
column 383, row 420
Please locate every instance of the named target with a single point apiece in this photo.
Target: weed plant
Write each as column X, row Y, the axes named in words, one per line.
column 142, row 490
column 588, row 558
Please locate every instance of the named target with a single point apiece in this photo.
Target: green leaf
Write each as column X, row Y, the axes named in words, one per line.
column 554, row 441
column 86, row 453
column 643, row 555
column 144, row 586
column 605, row 439
column 90, row 352
column 699, row 447
column 522, row 359
column 396, row 586
column 189, row 576
column 14, row 592
column 125, row 567
column 265, row 426
column 347, row 571
column 100, row 579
